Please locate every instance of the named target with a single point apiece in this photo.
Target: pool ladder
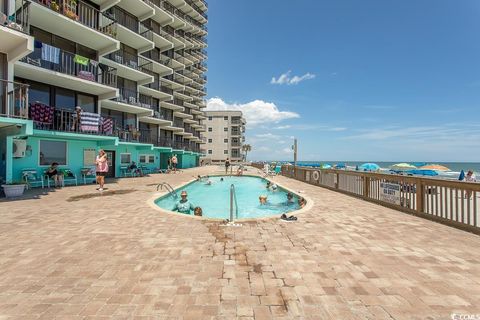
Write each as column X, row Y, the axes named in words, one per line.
column 169, row 188
column 233, row 201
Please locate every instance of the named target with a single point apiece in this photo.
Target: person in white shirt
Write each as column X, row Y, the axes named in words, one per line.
column 469, row 177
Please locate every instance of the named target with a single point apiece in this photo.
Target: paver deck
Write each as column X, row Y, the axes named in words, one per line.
column 72, row 254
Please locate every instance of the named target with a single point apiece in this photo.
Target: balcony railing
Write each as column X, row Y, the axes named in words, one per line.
column 130, row 60
column 165, row 142
column 128, row 96
column 83, row 13
column 177, row 123
column 166, row 115
column 147, row 101
column 19, row 20
column 67, row 120
column 132, row 134
column 13, row 99
column 71, row 64
column 124, row 18
column 166, row 90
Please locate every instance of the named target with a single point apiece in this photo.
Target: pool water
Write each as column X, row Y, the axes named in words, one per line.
column 214, row 199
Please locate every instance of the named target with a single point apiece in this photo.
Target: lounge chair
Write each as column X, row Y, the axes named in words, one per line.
column 88, row 174
column 32, row 179
column 127, row 172
column 69, row 176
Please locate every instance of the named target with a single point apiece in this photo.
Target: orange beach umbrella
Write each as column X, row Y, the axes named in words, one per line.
column 435, row 167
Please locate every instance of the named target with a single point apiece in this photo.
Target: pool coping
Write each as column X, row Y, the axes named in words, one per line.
column 309, row 202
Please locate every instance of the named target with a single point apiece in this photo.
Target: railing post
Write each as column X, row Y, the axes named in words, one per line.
column 366, row 186
column 420, row 188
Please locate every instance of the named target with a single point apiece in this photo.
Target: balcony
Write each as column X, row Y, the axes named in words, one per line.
column 13, row 100
column 128, row 101
column 182, row 115
column 156, row 118
column 132, row 134
column 139, row 8
column 165, row 142
column 154, row 89
column 177, row 21
column 177, row 123
column 182, row 96
column 161, row 16
column 155, row 65
column 169, row 105
column 128, row 30
column 74, row 19
column 170, row 62
column 67, row 70
column 170, row 84
column 14, row 33
column 129, row 66
column 66, row 120
column 153, row 32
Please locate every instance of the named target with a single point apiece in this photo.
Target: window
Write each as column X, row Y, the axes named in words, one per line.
column 225, row 129
column 209, row 118
column 39, row 93
column 125, row 158
column 64, row 99
column 146, row 158
column 52, row 151
column 210, row 140
column 210, row 129
column 225, row 118
column 225, row 151
column 87, row 103
column 210, row 152
column 225, row 140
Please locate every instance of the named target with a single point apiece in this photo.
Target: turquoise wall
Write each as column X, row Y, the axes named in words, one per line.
column 75, row 156
column 31, row 159
column 187, row 161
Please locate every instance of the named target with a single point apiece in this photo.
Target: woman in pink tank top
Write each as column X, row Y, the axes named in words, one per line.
column 101, row 168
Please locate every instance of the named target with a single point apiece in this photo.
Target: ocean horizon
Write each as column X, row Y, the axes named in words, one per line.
column 455, row 167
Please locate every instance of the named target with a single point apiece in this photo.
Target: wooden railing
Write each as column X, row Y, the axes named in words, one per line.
column 454, row 203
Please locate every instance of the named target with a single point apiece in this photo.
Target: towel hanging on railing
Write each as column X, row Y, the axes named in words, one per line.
column 51, row 54
column 81, row 60
column 89, row 121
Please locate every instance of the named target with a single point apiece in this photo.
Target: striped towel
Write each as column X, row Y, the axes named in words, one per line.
column 89, row 121
column 50, row 53
column 107, row 125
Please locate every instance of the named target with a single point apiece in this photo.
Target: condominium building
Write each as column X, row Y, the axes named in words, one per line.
column 225, row 136
column 76, row 76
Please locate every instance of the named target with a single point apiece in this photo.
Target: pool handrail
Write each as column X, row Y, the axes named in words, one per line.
column 233, row 197
column 171, row 191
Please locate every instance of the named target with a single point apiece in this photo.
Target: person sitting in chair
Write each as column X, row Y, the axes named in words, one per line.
column 134, row 169
column 55, row 174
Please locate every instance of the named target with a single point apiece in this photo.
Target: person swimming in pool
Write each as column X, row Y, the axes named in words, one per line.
column 301, row 202
column 183, row 205
column 290, row 198
column 263, row 200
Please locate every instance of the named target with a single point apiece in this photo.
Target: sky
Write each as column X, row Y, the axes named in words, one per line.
column 352, row 80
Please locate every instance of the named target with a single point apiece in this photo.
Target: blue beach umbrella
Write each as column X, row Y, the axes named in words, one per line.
column 461, row 177
column 369, row 167
column 340, row 165
column 423, row 172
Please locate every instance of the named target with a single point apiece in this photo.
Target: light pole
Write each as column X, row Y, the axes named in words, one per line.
column 295, row 149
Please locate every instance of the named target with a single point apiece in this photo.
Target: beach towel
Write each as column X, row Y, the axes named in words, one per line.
column 42, row 113
column 107, row 125
column 50, row 53
column 81, row 60
column 89, row 121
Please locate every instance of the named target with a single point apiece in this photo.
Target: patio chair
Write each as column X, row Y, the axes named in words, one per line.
column 88, row 174
column 32, row 179
column 69, row 176
column 127, row 172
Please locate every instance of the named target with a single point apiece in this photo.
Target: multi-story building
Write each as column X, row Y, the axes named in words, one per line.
column 126, row 76
column 225, row 136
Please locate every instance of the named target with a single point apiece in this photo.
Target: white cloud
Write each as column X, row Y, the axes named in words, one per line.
column 286, row 79
column 255, row 112
column 283, row 127
column 287, row 150
column 310, row 127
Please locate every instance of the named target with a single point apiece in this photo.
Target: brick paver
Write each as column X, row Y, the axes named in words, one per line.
column 72, row 254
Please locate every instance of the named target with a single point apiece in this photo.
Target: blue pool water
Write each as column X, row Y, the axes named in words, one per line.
column 214, row 199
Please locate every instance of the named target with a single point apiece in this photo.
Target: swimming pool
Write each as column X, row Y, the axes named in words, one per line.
column 214, row 199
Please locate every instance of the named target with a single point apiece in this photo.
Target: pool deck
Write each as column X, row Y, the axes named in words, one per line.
column 76, row 254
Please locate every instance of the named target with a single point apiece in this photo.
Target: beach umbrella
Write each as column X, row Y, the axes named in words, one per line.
column 369, row 167
column 340, row 165
column 423, row 172
column 402, row 166
column 461, row 177
column 435, row 167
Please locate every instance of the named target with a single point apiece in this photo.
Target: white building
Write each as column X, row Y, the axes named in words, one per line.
column 225, row 136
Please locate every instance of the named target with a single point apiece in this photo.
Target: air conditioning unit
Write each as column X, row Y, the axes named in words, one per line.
column 19, row 147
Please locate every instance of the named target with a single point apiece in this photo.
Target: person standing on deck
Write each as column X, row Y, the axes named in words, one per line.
column 227, row 164
column 101, row 168
column 469, row 177
column 174, row 163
